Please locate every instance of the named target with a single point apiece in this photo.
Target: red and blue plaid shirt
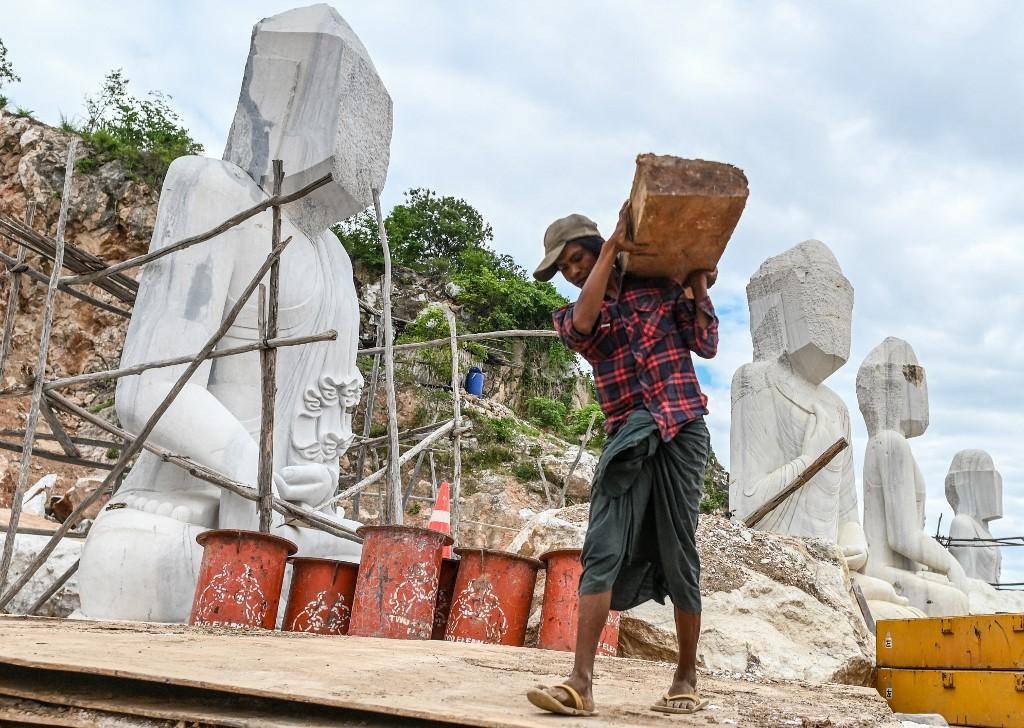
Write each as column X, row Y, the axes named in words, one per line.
column 640, row 351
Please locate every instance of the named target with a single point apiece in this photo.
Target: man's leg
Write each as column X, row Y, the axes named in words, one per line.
column 685, row 679
column 592, row 616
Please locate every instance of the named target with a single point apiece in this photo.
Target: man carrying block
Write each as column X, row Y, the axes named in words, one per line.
column 638, row 334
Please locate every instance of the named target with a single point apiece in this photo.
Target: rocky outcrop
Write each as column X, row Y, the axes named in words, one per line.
column 773, row 606
column 111, row 215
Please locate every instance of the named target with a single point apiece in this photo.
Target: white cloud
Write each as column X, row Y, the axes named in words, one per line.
column 891, row 132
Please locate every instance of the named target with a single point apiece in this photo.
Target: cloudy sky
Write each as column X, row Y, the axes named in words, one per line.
column 889, row 130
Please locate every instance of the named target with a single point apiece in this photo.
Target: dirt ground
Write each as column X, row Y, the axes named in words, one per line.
column 436, row 681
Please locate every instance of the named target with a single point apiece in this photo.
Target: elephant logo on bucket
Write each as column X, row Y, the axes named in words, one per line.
column 413, row 599
column 478, row 603
column 227, row 589
column 322, row 618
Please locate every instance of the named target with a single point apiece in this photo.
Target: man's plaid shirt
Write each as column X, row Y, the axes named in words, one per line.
column 640, row 351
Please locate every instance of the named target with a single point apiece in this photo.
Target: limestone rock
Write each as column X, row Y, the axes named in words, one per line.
column 557, row 469
column 686, row 210
column 65, row 601
column 560, row 528
column 773, row 606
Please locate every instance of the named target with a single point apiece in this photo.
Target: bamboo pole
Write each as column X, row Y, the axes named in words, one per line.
column 329, row 335
column 456, row 510
column 62, row 438
column 310, row 518
column 371, row 400
column 91, row 442
column 798, row 482
column 579, row 456
column 268, row 364
column 133, row 448
column 55, row 456
column 202, row 237
column 40, row 373
column 11, row 312
column 507, row 334
column 42, row 279
column 416, row 470
column 409, row 455
column 393, row 511
column 54, row 588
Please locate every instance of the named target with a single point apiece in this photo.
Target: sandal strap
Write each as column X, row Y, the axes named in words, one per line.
column 574, row 695
column 692, row 697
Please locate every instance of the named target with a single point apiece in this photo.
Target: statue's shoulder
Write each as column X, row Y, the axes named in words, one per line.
column 751, row 378
column 198, row 177
column 888, row 442
column 963, row 526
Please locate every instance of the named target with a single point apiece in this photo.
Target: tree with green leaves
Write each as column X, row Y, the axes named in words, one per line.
column 6, row 72
column 146, row 135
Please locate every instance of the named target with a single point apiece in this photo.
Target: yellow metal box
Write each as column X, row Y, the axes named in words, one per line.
column 986, row 698
column 976, row 642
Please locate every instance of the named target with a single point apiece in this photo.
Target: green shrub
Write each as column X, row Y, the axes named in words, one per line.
column 23, row 113
column 716, row 497
column 489, row 456
column 6, row 71
column 547, row 413
column 145, row 135
column 526, row 471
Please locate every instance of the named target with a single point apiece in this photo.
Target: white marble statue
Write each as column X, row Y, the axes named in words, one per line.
column 893, row 396
column 783, row 416
column 312, row 98
column 974, row 490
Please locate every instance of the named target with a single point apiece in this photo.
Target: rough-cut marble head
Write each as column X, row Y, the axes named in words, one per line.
column 311, row 97
column 801, row 306
column 974, row 487
column 892, row 390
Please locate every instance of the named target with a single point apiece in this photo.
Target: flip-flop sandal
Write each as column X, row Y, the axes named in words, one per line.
column 698, row 704
column 544, row 700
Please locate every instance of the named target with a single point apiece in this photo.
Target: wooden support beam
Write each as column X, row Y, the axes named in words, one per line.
column 56, row 456
column 393, row 511
column 456, row 509
column 371, row 401
column 202, row 237
column 579, row 456
column 132, row 449
column 42, row 279
column 40, row 373
column 65, row 442
column 11, row 312
column 798, row 482
column 433, row 343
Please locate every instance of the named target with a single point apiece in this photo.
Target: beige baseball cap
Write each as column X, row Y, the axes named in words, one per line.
column 559, row 233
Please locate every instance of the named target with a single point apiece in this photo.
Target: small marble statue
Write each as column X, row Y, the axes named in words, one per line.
column 974, row 490
column 312, row 98
column 783, row 415
column 893, row 396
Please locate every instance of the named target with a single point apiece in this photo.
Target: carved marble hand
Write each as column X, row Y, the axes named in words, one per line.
column 305, row 485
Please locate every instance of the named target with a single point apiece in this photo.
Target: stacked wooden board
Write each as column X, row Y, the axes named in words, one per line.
column 968, row 669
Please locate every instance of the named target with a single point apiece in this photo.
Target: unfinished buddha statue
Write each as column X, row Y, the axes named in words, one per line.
column 893, row 396
column 312, row 98
column 783, row 416
column 974, row 490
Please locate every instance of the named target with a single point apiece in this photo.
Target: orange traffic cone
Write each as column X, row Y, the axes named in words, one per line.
column 440, row 517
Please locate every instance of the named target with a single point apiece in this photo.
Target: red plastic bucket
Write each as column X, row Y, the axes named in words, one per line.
column 397, row 586
column 320, row 598
column 445, row 589
column 493, row 596
column 240, row 578
column 559, row 611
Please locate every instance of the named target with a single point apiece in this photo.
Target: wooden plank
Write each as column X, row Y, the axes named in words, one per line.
column 480, row 685
column 975, row 642
column 988, row 699
column 31, row 523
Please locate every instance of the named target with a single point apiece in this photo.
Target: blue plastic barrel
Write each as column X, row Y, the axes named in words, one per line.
column 475, row 382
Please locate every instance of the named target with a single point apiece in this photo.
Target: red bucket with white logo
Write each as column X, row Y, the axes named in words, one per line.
column 493, row 596
column 240, row 578
column 320, row 598
column 559, row 613
column 396, row 590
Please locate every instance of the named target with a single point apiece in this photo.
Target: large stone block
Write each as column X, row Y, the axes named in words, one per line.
column 311, row 96
column 686, row 210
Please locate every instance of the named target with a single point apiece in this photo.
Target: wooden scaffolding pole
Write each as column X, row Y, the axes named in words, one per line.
column 40, row 373
column 132, row 449
column 508, row 334
column 202, row 237
column 371, row 400
column 11, row 312
column 268, row 365
column 456, row 511
column 393, row 511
